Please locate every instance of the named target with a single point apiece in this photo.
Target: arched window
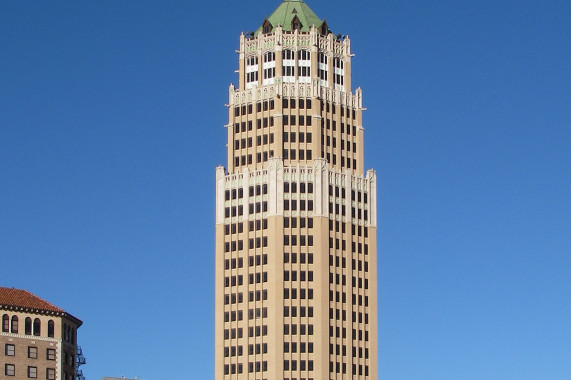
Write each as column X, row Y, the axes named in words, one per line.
column 28, row 326
column 338, row 73
column 323, row 69
column 14, row 324
column 51, row 328
column 251, row 72
column 303, row 66
column 269, row 67
column 5, row 323
column 37, row 327
column 288, row 65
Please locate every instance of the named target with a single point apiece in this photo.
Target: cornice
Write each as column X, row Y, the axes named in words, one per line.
column 61, row 314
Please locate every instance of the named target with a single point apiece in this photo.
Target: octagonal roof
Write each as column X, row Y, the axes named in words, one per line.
column 287, row 11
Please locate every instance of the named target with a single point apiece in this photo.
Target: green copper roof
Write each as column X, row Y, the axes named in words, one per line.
column 286, row 12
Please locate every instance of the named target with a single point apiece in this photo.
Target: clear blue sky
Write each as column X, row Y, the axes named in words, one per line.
column 111, row 126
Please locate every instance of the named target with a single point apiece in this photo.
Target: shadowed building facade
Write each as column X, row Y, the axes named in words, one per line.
column 296, row 213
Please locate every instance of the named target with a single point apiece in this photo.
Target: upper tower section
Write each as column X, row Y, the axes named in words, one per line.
column 294, row 99
column 293, row 45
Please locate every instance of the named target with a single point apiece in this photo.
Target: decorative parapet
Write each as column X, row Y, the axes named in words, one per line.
column 240, row 97
column 341, row 97
column 361, row 211
column 356, row 211
column 295, row 40
column 331, row 44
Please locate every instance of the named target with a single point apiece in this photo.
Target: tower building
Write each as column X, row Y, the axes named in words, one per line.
column 296, row 213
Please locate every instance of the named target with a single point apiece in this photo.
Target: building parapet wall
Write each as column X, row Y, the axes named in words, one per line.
column 294, row 40
column 313, row 90
column 236, row 193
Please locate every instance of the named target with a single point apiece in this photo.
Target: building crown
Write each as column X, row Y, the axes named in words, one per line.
column 291, row 15
column 11, row 298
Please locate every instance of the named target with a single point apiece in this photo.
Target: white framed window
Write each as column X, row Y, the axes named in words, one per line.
column 338, row 71
column 269, row 68
column 288, row 65
column 251, row 72
column 323, row 69
column 303, row 66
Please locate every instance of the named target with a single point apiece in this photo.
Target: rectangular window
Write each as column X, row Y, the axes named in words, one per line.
column 32, row 372
column 251, row 73
column 51, row 354
column 9, row 370
column 304, row 65
column 50, row 374
column 9, row 350
column 339, row 74
column 322, row 70
column 32, row 352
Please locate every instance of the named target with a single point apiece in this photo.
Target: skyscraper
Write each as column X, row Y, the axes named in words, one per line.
column 296, row 223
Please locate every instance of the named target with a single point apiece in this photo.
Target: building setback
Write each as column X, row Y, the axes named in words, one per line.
column 38, row 339
column 296, row 223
